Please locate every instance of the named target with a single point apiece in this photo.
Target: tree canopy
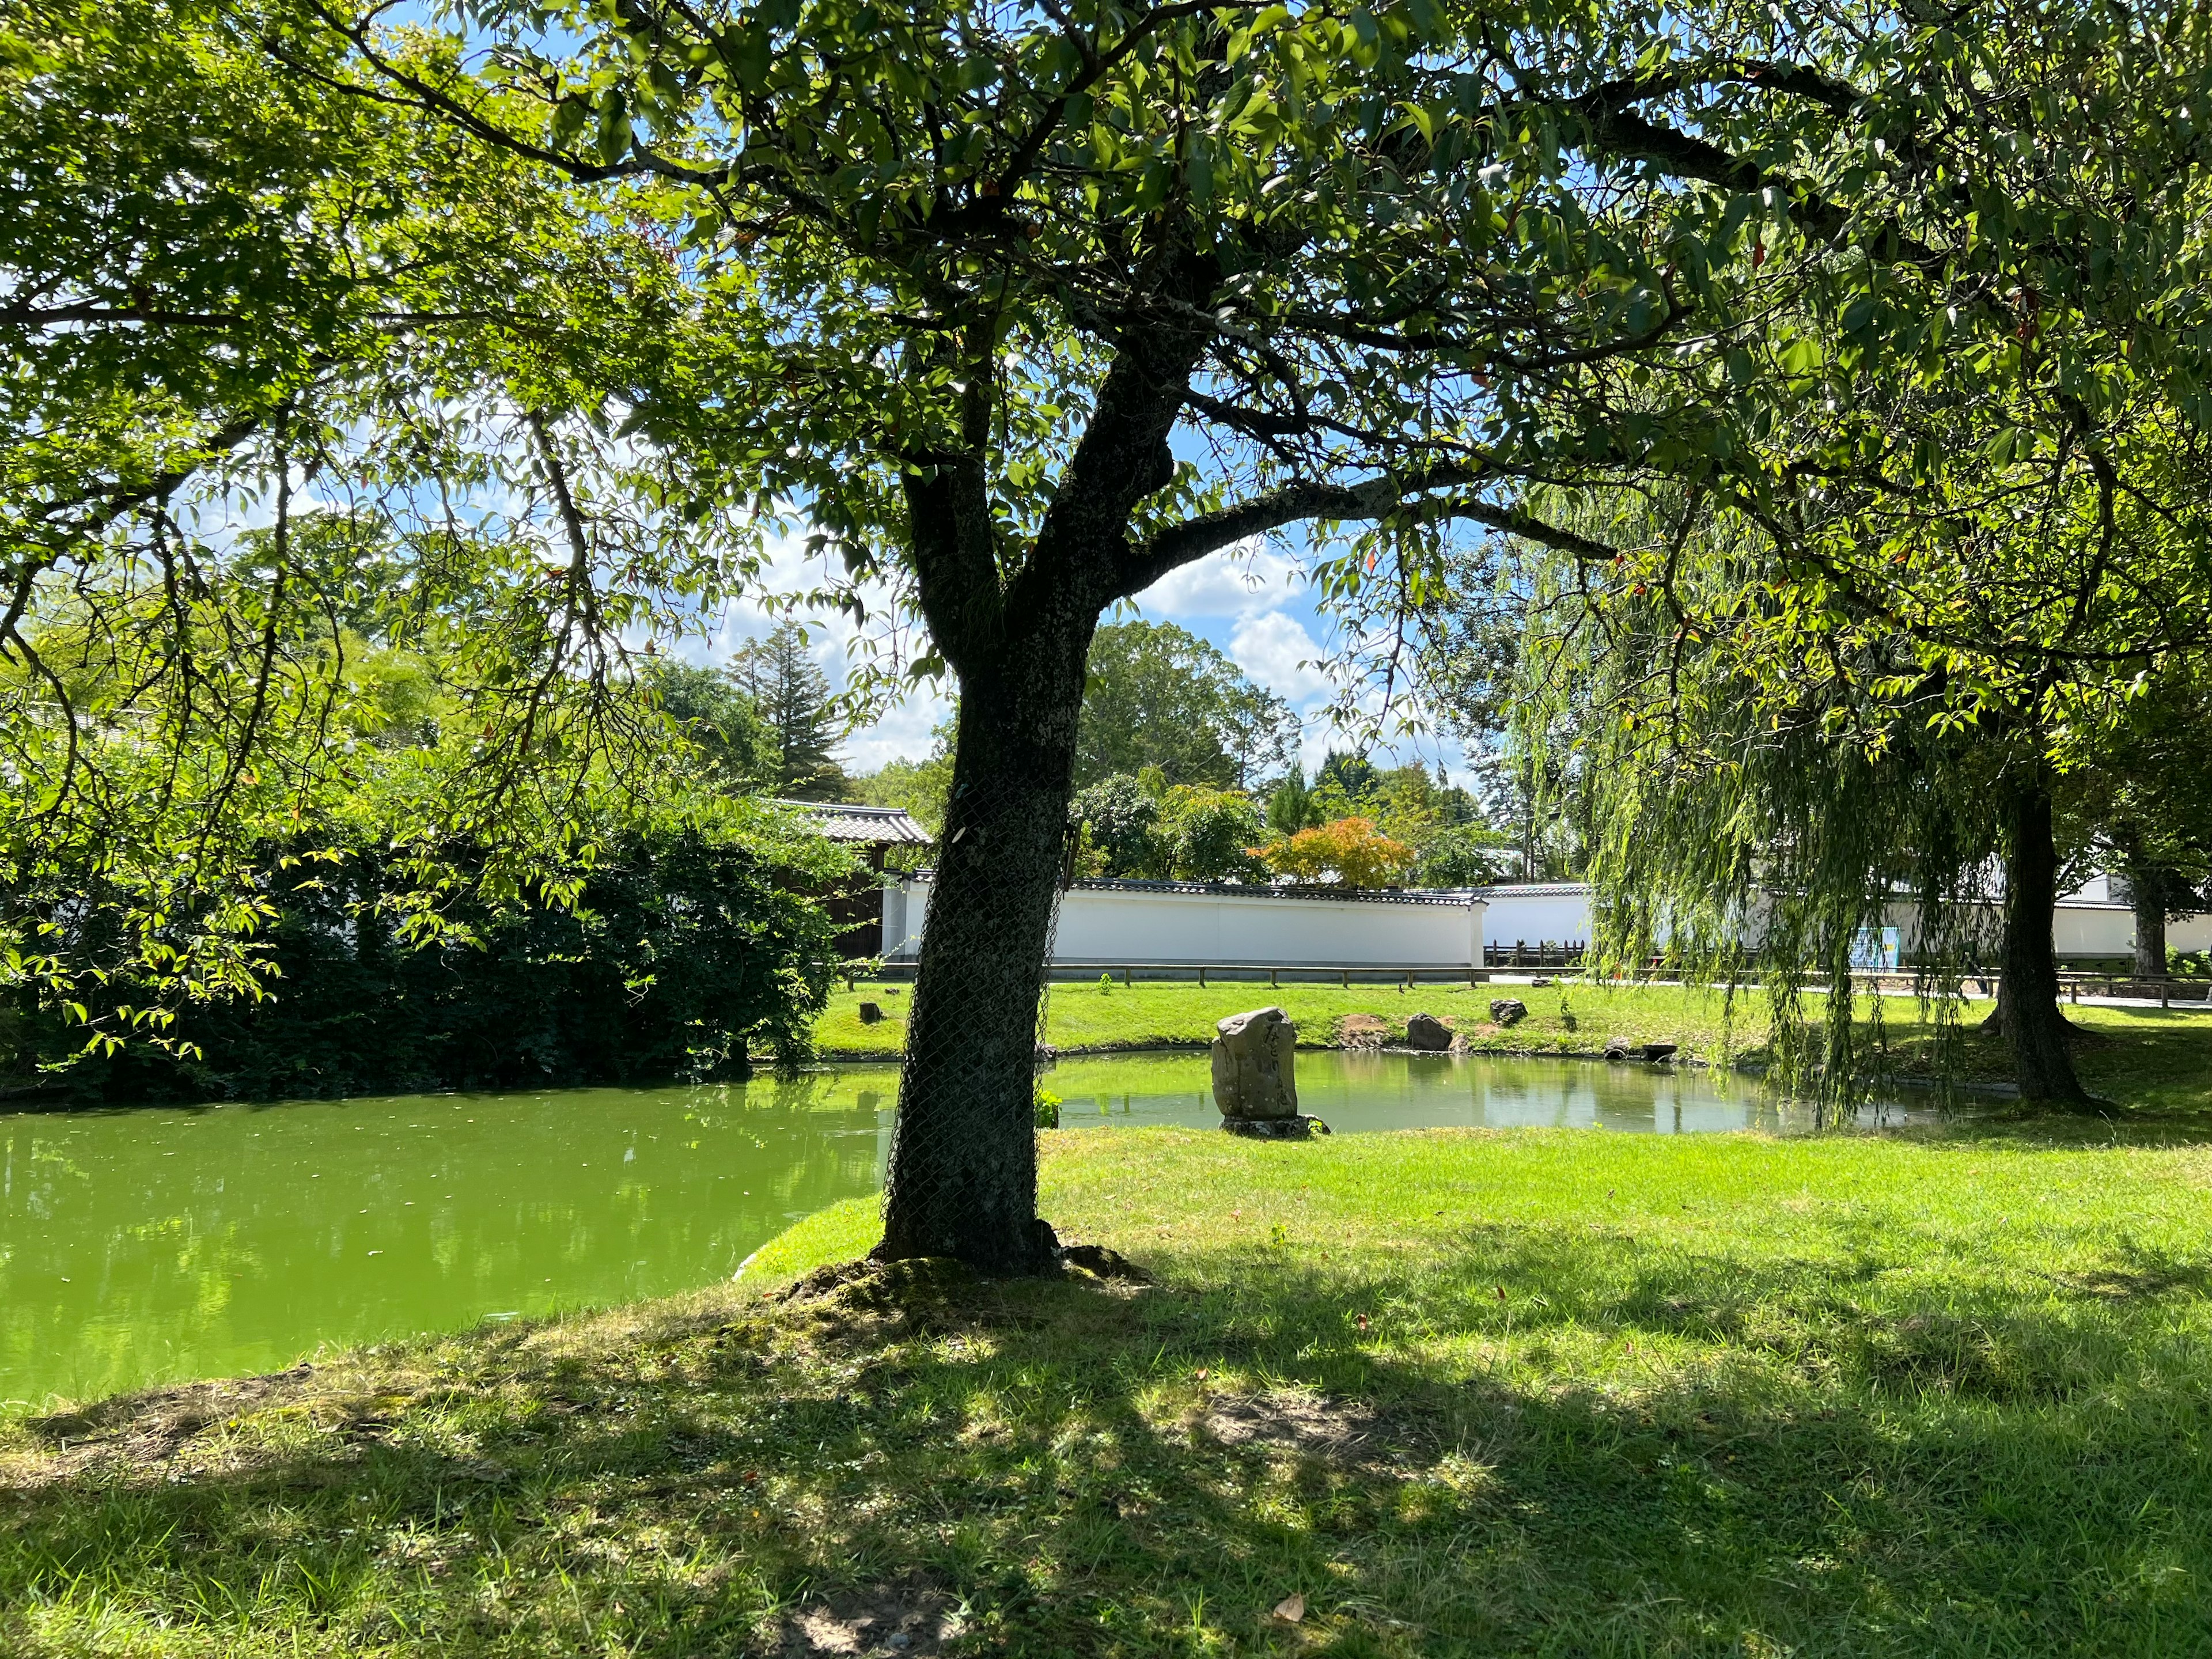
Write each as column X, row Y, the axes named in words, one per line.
column 1156, row 695
column 1017, row 311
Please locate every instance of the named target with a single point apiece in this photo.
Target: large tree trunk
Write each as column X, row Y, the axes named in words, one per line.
column 2027, row 1012
column 962, row 1179
column 2147, row 888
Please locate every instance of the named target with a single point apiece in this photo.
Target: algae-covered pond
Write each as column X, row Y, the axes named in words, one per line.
column 159, row 1244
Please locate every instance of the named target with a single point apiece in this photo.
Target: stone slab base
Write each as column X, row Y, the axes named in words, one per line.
column 1275, row 1128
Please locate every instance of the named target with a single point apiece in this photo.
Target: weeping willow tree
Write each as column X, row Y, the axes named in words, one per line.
column 1772, row 778
column 1915, row 514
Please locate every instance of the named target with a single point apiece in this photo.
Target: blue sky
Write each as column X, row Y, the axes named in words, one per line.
column 1254, row 604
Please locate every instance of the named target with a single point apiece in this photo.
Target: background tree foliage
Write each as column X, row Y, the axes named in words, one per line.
column 668, row 931
column 289, row 403
column 720, row 721
column 1143, row 827
column 1156, row 695
column 1436, row 831
column 791, row 697
column 682, row 949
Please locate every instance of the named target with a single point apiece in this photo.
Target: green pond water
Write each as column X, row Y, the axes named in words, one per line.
column 159, row 1243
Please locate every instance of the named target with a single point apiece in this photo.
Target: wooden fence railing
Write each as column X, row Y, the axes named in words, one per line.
column 1543, row 954
column 2166, row 992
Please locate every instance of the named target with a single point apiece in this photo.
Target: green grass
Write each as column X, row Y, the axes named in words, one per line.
column 1468, row 1393
column 1159, row 1015
column 2154, row 1061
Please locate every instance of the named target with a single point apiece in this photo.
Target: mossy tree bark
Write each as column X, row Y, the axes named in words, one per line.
column 963, row 1163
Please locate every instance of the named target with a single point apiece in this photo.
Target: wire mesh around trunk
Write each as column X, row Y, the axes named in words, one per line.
column 963, row 1177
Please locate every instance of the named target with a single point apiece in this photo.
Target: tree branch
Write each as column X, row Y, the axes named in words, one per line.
column 953, row 540
column 1294, row 503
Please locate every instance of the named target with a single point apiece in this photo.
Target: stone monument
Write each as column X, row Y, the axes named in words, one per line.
column 1254, row 1076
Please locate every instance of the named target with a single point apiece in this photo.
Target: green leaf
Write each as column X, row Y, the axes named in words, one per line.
column 567, row 120
column 614, row 134
column 1198, row 174
column 746, row 52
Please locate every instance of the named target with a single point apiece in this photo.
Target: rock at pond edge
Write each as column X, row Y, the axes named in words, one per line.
column 1428, row 1034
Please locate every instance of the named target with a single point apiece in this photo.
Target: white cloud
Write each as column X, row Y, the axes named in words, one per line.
column 903, row 732
column 1237, row 581
column 1276, row 650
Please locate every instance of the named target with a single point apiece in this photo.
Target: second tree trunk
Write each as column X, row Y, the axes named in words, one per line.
column 2035, row 1030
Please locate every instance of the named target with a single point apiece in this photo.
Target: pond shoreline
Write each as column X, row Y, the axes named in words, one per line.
column 1130, row 1050
column 1756, row 1070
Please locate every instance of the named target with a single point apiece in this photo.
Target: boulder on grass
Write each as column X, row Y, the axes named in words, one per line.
column 1428, row 1034
column 1508, row 1010
column 1255, row 1063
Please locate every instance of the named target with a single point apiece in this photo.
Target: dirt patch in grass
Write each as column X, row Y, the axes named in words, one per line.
column 889, row 1622
column 1362, row 1031
column 1293, row 1422
column 140, row 1430
column 1346, row 1433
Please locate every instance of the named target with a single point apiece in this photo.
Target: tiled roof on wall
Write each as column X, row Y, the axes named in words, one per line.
column 880, row 825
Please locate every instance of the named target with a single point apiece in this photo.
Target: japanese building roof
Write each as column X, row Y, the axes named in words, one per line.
column 890, row 826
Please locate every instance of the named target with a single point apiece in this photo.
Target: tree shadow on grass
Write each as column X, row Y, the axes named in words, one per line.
column 1621, row 1452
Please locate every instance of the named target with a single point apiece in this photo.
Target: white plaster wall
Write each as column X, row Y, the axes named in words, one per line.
column 1106, row 925
column 2077, row 929
column 2081, row 930
column 1531, row 918
column 2113, row 933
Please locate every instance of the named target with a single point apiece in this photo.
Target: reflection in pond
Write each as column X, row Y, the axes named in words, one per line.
column 157, row 1244
column 1357, row 1092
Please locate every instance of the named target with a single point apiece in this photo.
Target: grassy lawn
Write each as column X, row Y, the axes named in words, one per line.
column 1152, row 1016
column 1465, row 1393
column 2148, row 1059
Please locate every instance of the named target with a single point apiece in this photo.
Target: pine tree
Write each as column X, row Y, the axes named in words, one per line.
column 1290, row 807
column 791, row 695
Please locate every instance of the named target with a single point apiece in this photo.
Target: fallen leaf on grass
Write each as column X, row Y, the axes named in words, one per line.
column 1292, row 1608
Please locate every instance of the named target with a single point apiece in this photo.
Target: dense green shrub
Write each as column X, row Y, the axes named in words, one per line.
column 685, row 949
